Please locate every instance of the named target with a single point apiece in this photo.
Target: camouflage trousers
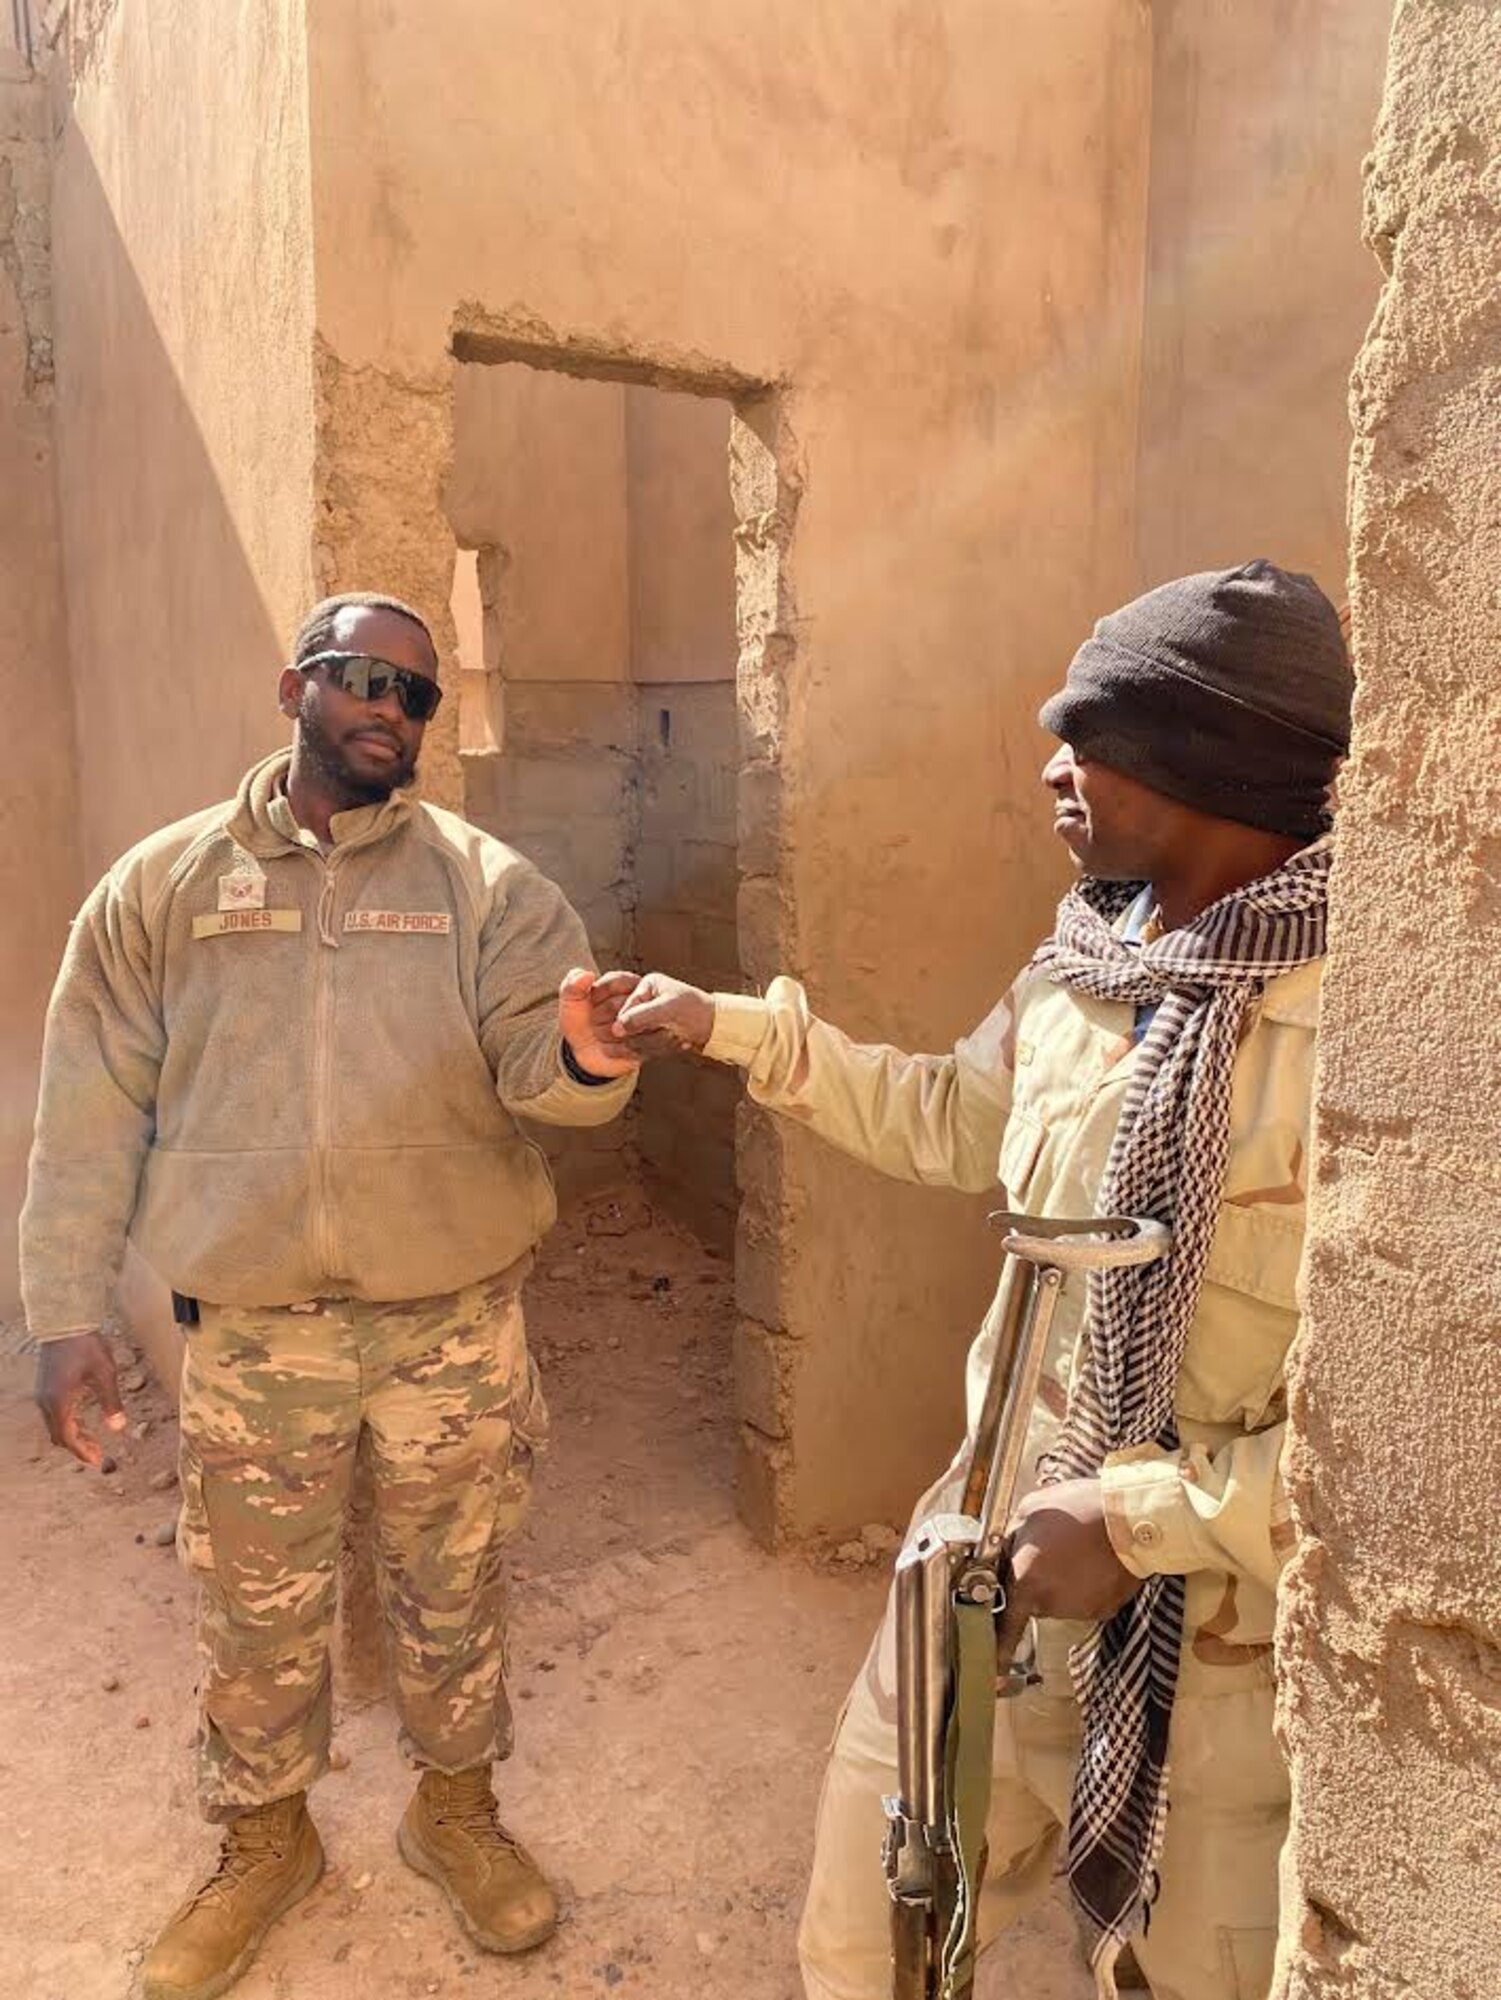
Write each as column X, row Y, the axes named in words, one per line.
column 274, row 1404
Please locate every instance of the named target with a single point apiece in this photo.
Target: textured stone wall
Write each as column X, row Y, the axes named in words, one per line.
column 1390, row 1643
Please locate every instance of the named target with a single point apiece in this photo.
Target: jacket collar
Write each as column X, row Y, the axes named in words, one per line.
column 261, row 820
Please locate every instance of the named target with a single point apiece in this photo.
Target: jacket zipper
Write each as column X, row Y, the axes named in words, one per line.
column 324, row 1248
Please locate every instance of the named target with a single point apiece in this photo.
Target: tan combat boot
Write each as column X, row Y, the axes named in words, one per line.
column 450, row 1833
column 271, row 1857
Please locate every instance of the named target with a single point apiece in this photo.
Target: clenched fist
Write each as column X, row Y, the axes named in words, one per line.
column 665, row 1013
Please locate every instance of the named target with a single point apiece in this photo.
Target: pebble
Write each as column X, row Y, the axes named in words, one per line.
column 613, row 1974
column 706, row 1943
column 166, row 1479
column 165, row 1535
column 879, row 1539
column 613, row 1341
column 362, row 1882
column 852, row 1552
column 142, row 1722
column 134, row 1956
column 107, row 1465
column 141, row 1430
column 110, row 1683
column 134, row 1381
column 338, row 1760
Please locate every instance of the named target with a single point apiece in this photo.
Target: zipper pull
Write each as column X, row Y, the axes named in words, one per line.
column 326, row 932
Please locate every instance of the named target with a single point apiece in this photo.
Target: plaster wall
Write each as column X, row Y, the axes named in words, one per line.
column 1390, row 1639
column 539, row 474
column 927, row 239
column 40, row 883
column 183, row 278
column 1258, row 290
column 682, row 538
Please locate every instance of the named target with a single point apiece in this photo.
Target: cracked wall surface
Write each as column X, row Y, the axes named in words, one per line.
column 1390, row 1637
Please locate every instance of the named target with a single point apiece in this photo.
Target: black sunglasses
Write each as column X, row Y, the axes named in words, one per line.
column 368, row 678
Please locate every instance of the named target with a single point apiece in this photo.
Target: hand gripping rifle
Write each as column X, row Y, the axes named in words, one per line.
column 950, row 1589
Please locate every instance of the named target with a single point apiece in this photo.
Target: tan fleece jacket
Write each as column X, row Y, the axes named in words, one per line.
column 285, row 1074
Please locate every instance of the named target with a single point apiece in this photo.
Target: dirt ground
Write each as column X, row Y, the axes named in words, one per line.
column 674, row 1690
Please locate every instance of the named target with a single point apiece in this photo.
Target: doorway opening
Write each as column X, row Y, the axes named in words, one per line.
column 595, row 605
column 622, row 603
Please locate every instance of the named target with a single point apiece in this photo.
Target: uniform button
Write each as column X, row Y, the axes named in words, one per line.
column 1146, row 1534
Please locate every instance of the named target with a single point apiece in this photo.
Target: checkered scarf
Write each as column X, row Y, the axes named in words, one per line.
column 1167, row 1161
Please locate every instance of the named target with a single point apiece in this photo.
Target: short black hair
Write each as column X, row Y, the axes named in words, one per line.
column 316, row 632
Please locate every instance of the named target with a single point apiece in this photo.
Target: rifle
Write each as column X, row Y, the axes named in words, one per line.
column 950, row 1589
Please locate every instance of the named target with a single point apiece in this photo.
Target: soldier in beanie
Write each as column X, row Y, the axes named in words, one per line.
column 1155, row 1057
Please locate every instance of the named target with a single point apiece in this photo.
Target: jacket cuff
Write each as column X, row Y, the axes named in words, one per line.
column 43, row 1335
column 1149, row 1516
column 740, row 1023
column 565, row 1102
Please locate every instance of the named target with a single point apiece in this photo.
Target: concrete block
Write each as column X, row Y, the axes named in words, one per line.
column 654, row 871
column 664, row 941
column 609, row 927
column 708, row 876
column 669, row 793
column 716, row 951
column 566, row 716
column 537, row 790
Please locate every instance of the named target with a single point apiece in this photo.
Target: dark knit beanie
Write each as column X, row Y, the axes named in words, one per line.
column 1229, row 690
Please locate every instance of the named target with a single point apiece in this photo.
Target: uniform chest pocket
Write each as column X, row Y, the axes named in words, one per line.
column 1021, row 1146
column 1248, row 1313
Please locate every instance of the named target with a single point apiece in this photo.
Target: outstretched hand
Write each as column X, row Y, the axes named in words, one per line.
column 588, row 1003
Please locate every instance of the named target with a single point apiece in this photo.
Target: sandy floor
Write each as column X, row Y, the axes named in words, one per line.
column 674, row 1691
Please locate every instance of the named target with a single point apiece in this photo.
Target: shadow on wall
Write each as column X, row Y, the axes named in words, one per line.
column 173, row 648
column 170, row 646
column 39, row 869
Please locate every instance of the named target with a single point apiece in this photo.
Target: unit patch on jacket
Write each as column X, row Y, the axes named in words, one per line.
column 438, row 921
column 242, row 889
column 227, row 922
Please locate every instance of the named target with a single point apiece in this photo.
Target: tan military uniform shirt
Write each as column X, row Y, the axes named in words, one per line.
column 1030, row 1101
